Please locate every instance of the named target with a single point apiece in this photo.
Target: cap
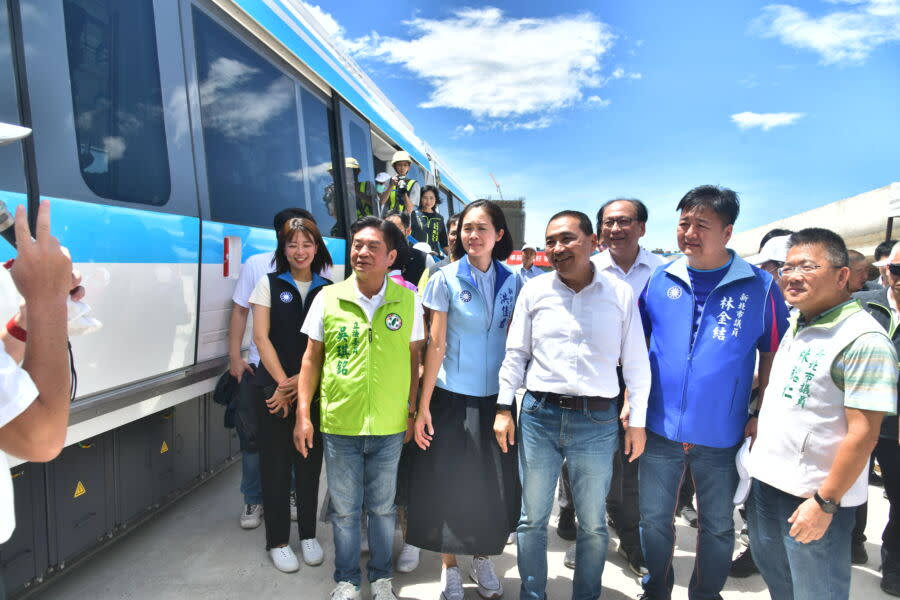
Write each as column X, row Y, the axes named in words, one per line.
column 742, row 462
column 382, row 178
column 11, row 133
column 351, row 163
column 528, row 246
column 401, row 156
column 775, row 249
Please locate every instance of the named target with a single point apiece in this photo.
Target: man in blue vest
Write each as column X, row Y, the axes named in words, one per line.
column 706, row 315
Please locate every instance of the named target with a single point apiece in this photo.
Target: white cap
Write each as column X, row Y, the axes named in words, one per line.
column 742, row 462
column 382, row 178
column 527, row 247
column 11, row 133
column 775, row 249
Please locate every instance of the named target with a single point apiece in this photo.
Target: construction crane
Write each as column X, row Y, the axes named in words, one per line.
column 496, row 184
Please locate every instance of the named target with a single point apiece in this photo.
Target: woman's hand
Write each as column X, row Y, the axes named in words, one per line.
column 279, row 403
column 288, row 388
column 424, row 429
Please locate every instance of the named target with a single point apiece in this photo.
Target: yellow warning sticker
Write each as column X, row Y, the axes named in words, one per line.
column 165, row 448
column 79, row 490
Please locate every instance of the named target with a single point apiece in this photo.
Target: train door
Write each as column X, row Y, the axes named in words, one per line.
column 113, row 156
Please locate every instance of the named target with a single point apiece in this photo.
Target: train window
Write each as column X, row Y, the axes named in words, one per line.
column 444, row 206
column 251, row 135
column 317, row 118
column 358, row 147
column 117, row 100
column 12, row 166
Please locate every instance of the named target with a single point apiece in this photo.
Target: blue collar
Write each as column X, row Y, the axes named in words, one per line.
column 317, row 280
column 739, row 269
column 464, row 272
column 412, row 241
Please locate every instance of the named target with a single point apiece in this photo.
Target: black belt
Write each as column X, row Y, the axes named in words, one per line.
column 574, row 402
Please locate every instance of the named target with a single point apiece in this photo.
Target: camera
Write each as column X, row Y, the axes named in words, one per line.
column 401, row 184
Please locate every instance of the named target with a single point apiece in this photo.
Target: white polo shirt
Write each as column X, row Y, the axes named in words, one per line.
column 637, row 276
column 17, row 392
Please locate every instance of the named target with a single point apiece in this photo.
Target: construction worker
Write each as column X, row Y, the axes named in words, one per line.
column 403, row 193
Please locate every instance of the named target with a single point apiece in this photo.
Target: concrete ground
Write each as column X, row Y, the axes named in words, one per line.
column 196, row 550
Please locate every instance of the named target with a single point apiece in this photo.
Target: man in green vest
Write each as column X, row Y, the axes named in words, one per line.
column 365, row 339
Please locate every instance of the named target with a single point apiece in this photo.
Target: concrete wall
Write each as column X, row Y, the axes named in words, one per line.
column 861, row 220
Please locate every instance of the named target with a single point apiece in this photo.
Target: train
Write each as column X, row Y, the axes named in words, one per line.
column 166, row 135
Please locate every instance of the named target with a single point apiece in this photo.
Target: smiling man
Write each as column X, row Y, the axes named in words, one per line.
column 833, row 379
column 706, row 316
column 570, row 330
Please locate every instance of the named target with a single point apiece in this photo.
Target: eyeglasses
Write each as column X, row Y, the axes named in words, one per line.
column 622, row 221
column 894, row 269
column 804, row 269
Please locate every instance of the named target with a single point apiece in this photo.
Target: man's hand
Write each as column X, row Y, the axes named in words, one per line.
column 42, row 269
column 750, row 430
column 505, row 430
column 303, row 435
column 237, row 366
column 410, row 430
column 279, row 403
column 809, row 521
column 635, row 442
column 623, row 416
column 288, row 388
column 424, row 429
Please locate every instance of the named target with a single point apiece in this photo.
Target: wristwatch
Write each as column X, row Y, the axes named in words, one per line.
column 828, row 506
column 504, row 408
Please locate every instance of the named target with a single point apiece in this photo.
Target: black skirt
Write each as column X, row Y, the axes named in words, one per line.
column 463, row 493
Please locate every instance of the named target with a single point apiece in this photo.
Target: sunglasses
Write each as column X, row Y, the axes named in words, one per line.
column 894, row 269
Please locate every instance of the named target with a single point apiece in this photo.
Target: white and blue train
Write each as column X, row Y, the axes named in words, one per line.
column 166, row 134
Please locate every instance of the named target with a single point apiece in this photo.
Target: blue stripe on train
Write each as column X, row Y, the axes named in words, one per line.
column 99, row 233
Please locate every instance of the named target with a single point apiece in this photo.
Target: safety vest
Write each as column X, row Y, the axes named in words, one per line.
column 393, row 203
column 366, row 372
column 363, row 209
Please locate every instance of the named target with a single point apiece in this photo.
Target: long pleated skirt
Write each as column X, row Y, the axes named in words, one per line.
column 464, row 494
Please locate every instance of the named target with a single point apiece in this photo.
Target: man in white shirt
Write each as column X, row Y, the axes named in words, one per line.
column 569, row 332
column 256, row 267
column 34, row 398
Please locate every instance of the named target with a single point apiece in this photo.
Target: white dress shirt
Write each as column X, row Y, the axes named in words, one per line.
column 637, row 276
column 570, row 343
column 314, row 324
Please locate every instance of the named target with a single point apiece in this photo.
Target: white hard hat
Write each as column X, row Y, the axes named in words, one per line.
column 775, row 249
column 351, row 163
column 401, row 156
column 11, row 133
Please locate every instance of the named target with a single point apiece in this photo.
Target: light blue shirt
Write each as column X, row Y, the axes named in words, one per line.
column 526, row 274
column 437, row 294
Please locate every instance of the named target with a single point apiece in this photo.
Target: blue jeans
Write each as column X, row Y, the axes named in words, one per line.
column 362, row 469
column 715, row 477
column 795, row 571
column 587, row 440
column 251, row 484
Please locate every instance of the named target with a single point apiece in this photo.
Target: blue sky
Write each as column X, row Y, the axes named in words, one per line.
column 571, row 103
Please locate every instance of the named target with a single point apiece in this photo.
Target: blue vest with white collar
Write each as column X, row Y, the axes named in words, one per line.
column 475, row 347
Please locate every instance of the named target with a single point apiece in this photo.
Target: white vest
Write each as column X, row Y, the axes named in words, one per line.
column 802, row 422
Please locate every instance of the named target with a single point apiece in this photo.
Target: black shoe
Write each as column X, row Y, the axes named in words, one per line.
column 858, row 554
column 689, row 514
column 635, row 559
column 565, row 526
column 743, row 565
column 890, row 581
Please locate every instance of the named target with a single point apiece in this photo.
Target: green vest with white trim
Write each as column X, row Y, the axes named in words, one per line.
column 366, row 372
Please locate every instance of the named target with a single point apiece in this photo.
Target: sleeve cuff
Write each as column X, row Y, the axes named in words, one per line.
column 506, row 397
column 637, row 417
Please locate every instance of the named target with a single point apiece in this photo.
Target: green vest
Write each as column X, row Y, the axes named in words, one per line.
column 393, row 203
column 365, row 376
column 363, row 207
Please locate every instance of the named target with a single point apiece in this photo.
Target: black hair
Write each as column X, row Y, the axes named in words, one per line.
column 394, row 239
column 640, row 210
column 432, row 189
column 834, row 245
column 454, row 218
column 722, row 201
column 322, row 258
column 283, row 216
column 584, row 221
column 504, row 247
column 855, row 256
column 777, row 232
column 884, row 249
column 404, row 217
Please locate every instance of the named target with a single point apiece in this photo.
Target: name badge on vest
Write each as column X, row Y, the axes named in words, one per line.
column 286, row 297
column 393, row 322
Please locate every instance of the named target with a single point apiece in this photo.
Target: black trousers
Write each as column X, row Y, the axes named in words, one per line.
column 277, row 458
column 887, row 451
column 622, row 502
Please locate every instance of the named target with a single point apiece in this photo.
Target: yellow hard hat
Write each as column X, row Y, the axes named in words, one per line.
column 351, row 163
column 401, row 156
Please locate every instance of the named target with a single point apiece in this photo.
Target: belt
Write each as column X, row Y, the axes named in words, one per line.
column 574, row 402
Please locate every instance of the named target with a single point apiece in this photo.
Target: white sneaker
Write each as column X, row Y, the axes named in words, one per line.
column 408, row 559
column 482, row 573
column 293, row 506
column 511, row 539
column 284, row 558
column 451, row 584
column 251, row 516
column 382, row 590
column 345, row 591
column 312, row 552
column 569, row 558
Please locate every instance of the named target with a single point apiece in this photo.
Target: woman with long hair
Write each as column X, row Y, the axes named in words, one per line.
column 428, row 224
column 280, row 302
column 464, row 495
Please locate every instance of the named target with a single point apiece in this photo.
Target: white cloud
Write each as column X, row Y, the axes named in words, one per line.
column 765, row 121
column 598, row 101
column 467, row 129
column 847, row 35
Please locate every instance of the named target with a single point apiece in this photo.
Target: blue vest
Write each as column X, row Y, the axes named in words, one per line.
column 475, row 347
column 700, row 392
